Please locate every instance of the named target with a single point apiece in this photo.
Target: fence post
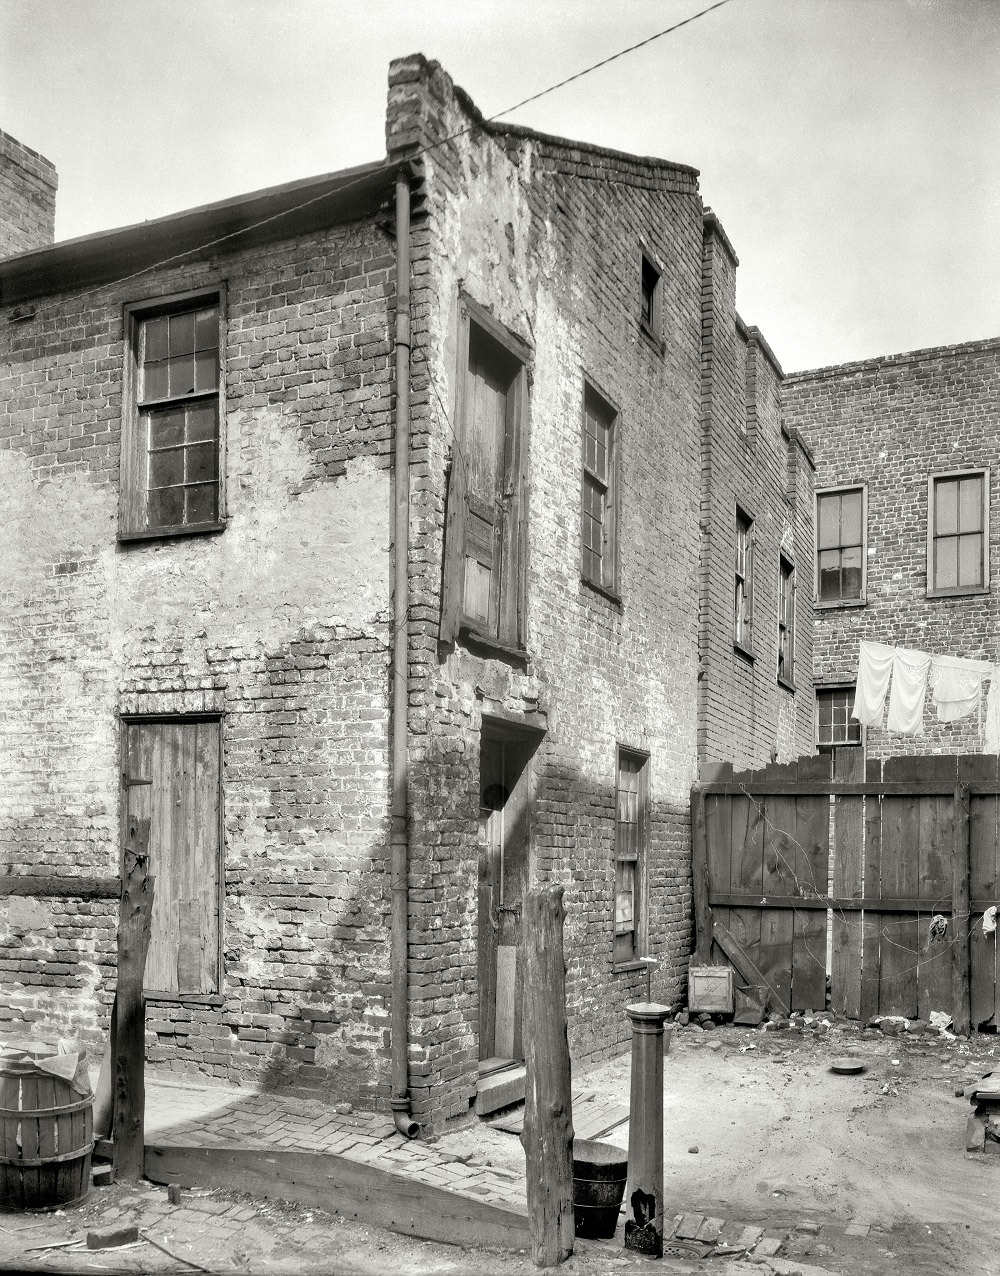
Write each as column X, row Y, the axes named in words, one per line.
column 130, row 1043
column 699, row 879
column 548, row 1108
column 961, row 958
column 644, row 1203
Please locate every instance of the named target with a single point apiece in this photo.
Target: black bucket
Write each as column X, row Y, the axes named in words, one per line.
column 600, row 1172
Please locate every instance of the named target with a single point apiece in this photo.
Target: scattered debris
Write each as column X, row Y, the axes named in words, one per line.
column 111, row 1237
column 848, row 1065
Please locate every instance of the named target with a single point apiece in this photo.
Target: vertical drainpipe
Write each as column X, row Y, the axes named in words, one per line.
column 400, row 1101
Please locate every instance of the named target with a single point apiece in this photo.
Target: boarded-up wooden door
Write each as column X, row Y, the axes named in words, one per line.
column 170, row 774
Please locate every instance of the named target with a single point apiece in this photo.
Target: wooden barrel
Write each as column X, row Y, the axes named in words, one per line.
column 46, row 1134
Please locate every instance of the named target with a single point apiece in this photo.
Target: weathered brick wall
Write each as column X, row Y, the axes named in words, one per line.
column 888, row 423
column 749, row 461
column 549, row 236
column 27, row 198
column 280, row 623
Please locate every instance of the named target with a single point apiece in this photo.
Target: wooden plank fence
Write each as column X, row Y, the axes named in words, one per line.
column 877, row 875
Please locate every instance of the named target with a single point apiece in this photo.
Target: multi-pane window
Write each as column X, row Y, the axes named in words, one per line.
column 957, row 532
column 840, row 540
column 171, row 470
column 834, row 724
column 786, row 621
column 743, row 598
column 598, row 523
column 631, row 832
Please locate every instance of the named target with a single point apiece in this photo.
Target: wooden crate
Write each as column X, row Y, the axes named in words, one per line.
column 710, row 989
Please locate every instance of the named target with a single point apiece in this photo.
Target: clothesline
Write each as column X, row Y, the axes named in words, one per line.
column 956, row 686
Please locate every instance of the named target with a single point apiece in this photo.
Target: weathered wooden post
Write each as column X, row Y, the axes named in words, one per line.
column 644, row 1200
column 548, row 1110
column 130, row 1038
column 962, row 1013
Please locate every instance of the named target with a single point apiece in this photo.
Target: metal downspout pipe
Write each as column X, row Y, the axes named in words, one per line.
column 399, row 837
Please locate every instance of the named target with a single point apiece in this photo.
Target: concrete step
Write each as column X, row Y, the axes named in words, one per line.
column 500, row 1090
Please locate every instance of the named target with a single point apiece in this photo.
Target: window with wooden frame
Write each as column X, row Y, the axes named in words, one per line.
column 743, row 594
column 631, row 835
column 599, row 513
column 485, row 538
column 958, row 532
column 649, row 309
column 841, row 519
column 786, row 621
column 173, row 414
column 834, row 724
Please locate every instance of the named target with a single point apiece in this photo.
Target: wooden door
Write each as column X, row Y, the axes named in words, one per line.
column 170, row 775
column 503, row 875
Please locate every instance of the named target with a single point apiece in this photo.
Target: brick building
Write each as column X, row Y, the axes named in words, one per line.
column 376, row 537
column 908, row 523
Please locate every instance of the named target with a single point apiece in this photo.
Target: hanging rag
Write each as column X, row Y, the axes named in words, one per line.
column 990, row 920
column 874, row 668
column 956, row 686
column 991, row 730
column 939, row 927
column 909, row 687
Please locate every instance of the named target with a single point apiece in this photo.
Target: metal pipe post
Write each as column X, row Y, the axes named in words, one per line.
column 644, row 1201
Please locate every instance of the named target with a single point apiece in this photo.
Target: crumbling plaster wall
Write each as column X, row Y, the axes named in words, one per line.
column 280, row 623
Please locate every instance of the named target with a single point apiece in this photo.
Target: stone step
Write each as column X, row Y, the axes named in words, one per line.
column 500, row 1090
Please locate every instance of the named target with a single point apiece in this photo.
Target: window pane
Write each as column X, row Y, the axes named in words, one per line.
column 945, row 507
column 206, row 334
column 851, row 564
column 166, row 507
column 154, row 381
column 166, row 468
column 156, row 339
column 201, row 463
column 206, row 370
column 166, row 427
column 850, row 518
column 970, row 560
column 181, row 334
column 829, row 522
column 946, row 562
column 829, row 575
column 201, row 422
column 181, row 376
column 202, row 503
column 970, row 504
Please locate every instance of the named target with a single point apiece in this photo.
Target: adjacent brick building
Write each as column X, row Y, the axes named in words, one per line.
column 203, row 605
column 908, row 523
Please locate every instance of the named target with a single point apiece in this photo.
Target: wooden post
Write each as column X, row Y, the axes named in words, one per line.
column 699, row 879
column 644, row 1202
column 130, row 1043
column 548, row 1111
column 961, row 959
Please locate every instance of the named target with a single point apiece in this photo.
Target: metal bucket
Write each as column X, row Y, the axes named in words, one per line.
column 600, row 1172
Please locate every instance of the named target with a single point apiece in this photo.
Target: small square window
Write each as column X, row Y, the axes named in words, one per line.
column 172, row 470
column 958, row 532
column 834, row 724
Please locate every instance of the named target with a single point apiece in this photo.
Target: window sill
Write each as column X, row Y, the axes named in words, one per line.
column 972, row 592
column 492, row 646
column 832, row 604
column 168, row 533
column 185, row 998
column 745, row 652
column 609, row 594
column 627, row 967
column 787, row 684
column 650, row 336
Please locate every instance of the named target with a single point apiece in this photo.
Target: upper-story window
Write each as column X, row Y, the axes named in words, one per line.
column 840, row 545
column 786, row 621
column 743, row 596
column 172, row 472
column 631, row 841
column 834, row 724
column 958, row 532
column 649, row 307
column 599, row 514
column 484, row 532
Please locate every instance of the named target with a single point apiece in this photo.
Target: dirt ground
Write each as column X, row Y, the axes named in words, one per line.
column 758, row 1130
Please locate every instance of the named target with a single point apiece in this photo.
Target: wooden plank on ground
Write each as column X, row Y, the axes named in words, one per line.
column 349, row 1188
column 934, row 891
column 871, row 920
column 984, row 884
column 848, row 868
column 898, row 934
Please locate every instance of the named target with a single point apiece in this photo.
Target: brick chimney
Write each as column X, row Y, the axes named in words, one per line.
column 27, row 198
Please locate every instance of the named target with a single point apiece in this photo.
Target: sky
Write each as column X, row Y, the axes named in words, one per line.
column 851, row 148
